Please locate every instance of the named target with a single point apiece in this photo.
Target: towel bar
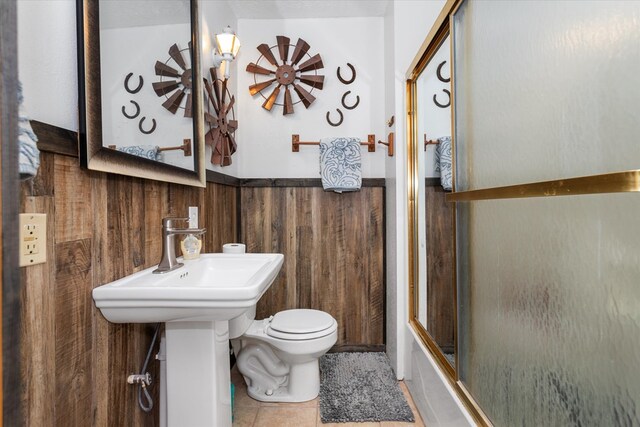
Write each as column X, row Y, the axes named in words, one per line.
column 429, row 142
column 185, row 147
column 296, row 143
column 389, row 144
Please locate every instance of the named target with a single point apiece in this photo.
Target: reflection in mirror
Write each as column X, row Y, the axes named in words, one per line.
column 140, row 89
column 145, row 69
column 435, row 298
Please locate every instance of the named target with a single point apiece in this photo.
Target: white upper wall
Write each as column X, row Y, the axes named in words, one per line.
column 413, row 21
column 141, row 13
column 264, row 142
column 47, row 61
column 393, row 326
column 288, row 9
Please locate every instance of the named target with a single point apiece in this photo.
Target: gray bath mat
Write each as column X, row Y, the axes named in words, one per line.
column 358, row 387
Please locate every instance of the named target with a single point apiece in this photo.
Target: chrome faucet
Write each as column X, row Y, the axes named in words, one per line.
column 169, row 261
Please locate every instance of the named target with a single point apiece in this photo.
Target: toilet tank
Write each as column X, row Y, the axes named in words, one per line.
column 240, row 324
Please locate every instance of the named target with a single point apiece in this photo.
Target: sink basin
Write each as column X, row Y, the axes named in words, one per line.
column 213, row 287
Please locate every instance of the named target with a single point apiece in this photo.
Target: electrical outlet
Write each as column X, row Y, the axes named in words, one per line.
column 33, row 239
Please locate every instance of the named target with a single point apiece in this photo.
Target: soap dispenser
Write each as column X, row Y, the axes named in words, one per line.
column 191, row 244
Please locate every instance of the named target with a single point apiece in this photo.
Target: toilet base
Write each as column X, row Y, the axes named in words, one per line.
column 303, row 384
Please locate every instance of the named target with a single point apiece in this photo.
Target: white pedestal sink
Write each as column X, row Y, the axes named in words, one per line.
column 196, row 302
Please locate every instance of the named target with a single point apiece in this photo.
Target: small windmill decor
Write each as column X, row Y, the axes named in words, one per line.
column 288, row 72
column 220, row 117
column 175, row 80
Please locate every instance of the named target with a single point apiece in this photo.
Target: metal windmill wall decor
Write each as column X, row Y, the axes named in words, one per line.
column 287, row 73
column 220, row 117
column 175, row 80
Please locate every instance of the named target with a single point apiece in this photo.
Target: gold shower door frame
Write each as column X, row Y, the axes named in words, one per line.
column 414, row 189
column 442, row 28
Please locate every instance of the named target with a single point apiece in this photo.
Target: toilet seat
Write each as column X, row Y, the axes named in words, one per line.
column 301, row 324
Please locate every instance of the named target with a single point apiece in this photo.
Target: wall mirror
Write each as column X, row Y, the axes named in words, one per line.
column 432, row 282
column 140, row 85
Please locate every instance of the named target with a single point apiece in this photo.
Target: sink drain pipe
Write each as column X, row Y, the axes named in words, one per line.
column 143, row 379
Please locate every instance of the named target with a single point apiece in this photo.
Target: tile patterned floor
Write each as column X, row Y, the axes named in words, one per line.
column 251, row 413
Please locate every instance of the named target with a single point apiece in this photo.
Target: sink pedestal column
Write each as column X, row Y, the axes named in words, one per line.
column 198, row 377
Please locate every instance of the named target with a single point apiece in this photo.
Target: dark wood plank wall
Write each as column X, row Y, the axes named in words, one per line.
column 334, row 255
column 440, row 296
column 100, row 227
column 221, row 207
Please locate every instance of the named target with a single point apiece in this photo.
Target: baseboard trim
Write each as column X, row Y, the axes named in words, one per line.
column 301, row 182
column 350, row 348
column 54, row 139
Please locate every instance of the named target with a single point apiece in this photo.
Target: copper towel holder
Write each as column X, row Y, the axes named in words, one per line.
column 185, row 147
column 389, row 144
column 296, row 143
column 429, row 142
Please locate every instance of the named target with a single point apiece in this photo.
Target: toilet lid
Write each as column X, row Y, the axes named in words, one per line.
column 301, row 321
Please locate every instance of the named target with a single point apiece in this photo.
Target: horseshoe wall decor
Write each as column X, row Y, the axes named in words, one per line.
column 435, row 99
column 439, row 73
column 147, row 132
column 133, row 116
column 350, row 107
column 339, row 122
column 353, row 77
column 126, row 84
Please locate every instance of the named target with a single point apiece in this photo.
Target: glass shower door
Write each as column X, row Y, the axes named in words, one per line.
column 547, row 97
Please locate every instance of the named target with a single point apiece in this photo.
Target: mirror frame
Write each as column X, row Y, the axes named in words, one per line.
column 95, row 156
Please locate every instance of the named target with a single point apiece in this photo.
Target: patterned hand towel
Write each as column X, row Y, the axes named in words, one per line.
column 443, row 162
column 340, row 164
column 29, row 155
column 147, row 151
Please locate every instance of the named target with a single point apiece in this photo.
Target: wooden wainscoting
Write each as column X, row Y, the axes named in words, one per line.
column 440, row 297
column 101, row 227
column 334, row 255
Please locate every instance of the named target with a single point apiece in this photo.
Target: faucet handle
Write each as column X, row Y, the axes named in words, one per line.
column 168, row 222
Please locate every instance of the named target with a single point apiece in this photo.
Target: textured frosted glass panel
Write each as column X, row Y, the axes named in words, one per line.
column 550, row 296
column 545, row 90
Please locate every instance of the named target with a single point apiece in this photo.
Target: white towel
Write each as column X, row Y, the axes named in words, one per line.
column 340, row 164
column 151, row 152
column 29, row 155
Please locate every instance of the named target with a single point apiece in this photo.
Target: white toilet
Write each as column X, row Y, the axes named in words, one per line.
column 278, row 356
